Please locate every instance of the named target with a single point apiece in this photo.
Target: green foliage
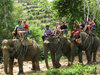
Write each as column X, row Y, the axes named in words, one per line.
column 68, row 7
column 54, row 72
column 73, row 10
column 13, row 14
column 36, row 34
column 73, row 70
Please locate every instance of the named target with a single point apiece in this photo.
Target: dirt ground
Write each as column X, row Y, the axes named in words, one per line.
column 27, row 65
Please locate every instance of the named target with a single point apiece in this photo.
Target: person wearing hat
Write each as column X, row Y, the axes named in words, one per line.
column 47, row 32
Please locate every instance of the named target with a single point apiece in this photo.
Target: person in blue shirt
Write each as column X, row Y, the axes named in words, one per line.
column 17, row 29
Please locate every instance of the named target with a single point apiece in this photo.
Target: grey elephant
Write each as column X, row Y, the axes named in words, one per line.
column 27, row 50
column 86, row 42
column 57, row 47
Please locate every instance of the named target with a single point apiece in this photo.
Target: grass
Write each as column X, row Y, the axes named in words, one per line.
column 73, row 70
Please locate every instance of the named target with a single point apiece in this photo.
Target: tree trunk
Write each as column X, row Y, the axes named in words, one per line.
column 46, row 58
column 84, row 9
column 95, row 10
column 5, row 14
column 88, row 10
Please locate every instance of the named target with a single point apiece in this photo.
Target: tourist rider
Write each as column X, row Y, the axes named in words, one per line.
column 63, row 28
column 17, row 29
column 47, row 32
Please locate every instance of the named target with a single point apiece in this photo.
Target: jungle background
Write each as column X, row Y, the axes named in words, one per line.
column 39, row 13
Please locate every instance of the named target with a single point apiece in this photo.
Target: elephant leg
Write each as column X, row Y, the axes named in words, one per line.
column 33, row 65
column 20, row 63
column 72, row 53
column 70, row 59
column 53, row 58
column 37, row 65
column 46, row 58
column 94, row 56
column 11, row 61
column 91, row 55
column 58, row 56
column 80, row 56
column 88, row 57
column 6, row 65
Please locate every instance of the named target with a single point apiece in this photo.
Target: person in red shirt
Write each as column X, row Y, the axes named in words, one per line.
column 75, row 24
column 25, row 29
column 25, row 26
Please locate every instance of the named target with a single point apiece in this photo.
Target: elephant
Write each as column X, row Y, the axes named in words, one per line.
column 88, row 43
column 57, row 47
column 26, row 50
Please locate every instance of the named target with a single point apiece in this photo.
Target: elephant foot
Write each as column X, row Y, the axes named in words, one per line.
column 6, row 72
column 58, row 65
column 94, row 61
column 47, row 67
column 38, row 69
column 33, row 69
column 70, row 63
column 89, row 63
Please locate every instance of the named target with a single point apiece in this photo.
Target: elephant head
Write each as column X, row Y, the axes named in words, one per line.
column 78, row 39
column 8, row 48
column 51, row 40
column 51, row 43
column 8, row 52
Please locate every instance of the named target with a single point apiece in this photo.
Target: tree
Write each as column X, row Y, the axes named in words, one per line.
column 66, row 8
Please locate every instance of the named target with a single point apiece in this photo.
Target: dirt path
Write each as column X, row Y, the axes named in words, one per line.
column 64, row 63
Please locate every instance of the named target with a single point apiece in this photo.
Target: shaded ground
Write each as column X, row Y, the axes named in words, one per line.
column 64, row 63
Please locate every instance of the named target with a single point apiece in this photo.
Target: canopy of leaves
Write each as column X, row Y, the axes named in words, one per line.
column 68, row 7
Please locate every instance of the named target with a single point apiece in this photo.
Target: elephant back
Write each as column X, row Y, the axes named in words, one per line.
column 89, row 41
column 27, row 42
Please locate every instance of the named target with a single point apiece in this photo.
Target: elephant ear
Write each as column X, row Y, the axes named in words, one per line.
column 17, row 43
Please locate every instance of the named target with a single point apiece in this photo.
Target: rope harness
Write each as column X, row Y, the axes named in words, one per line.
column 22, row 50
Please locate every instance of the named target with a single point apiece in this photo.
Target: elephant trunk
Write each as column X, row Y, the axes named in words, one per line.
column 6, row 65
column 5, row 58
column 72, row 52
column 46, row 58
